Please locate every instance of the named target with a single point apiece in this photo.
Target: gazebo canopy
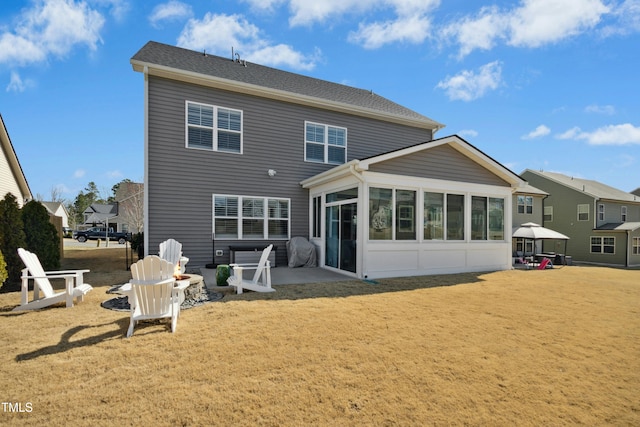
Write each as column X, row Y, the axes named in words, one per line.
column 533, row 231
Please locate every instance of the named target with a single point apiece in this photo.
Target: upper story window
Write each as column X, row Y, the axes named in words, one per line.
column 525, row 204
column 623, row 213
column 600, row 212
column 548, row 214
column 583, row 212
column 325, row 144
column 214, row 128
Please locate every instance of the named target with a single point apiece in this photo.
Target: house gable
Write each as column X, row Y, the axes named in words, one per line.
column 12, row 179
column 441, row 162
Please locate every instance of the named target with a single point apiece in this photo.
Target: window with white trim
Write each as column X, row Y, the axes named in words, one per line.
column 324, row 143
column 623, row 213
column 600, row 212
column 603, row 245
column 635, row 245
column 548, row 214
column 583, row 212
column 251, row 218
column 213, row 128
column 525, row 204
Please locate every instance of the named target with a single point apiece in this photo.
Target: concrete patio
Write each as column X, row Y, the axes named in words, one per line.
column 286, row 276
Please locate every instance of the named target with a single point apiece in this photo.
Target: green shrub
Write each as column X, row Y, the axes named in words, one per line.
column 41, row 237
column 11, row 238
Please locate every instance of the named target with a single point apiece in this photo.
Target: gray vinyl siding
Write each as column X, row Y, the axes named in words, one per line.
column 182, row 181
column 442, row 162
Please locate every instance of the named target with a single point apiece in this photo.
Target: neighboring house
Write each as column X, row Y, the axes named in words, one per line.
column 100, row 215
column 58, row 209
column 602, row 222
column 12, row 179
column 248, row 155
column 528, row 207
column 636, row 191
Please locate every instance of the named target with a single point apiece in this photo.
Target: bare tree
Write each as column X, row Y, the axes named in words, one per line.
column 130, row 198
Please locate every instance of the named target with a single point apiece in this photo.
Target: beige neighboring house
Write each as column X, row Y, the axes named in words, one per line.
column 58, row 209
column 528, row 207
column 12, row 179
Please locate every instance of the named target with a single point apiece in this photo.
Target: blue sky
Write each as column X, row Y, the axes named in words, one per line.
column 539, row 84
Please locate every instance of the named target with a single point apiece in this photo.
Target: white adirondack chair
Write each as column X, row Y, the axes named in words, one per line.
column 171, row 250
column 74, row 284
column 261, row 281
column 154, row 294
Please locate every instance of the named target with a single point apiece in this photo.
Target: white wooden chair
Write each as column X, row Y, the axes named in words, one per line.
column 154, row 294
column 261, row 281
column 171, row 250
column 74, row 284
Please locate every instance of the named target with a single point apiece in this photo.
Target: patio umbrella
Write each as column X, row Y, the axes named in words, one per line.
column 533, row 231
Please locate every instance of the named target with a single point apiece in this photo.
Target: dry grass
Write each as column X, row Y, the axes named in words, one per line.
column 558, row 347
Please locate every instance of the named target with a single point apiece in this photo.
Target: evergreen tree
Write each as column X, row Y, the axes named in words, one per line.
column 41, row 236
column 11, row 238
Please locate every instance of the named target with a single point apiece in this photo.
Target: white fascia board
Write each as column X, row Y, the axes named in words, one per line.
column 280, row 95
column 331, row 174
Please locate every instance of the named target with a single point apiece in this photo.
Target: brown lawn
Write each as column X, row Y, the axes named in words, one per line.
column 556, row 347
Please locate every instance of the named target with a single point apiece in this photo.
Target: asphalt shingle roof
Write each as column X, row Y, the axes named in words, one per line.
column 596, row 189
column 258, row 75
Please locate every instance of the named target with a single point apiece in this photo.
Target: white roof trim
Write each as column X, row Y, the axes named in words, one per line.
column 454, row 141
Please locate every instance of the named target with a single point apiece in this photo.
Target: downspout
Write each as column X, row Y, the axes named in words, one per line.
column 146, row 160
column 628, row 249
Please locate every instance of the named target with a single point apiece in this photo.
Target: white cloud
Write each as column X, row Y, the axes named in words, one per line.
column 16, row 84
column 218, row 33
column 264, row 4
column 613, row 135
column 538, row 132
column 469, row 85
column 413, row 29
column 468, row 133
column 533, row 23
column 624, row 134
column 601, row 109
column 79, row 173
column 626, row 19
column 479, row 32
column 50, row 27
column 114, row 174
column 305, row 12
column 539, row 22
column 170, row 11
column 569, row 134
column 411, row 23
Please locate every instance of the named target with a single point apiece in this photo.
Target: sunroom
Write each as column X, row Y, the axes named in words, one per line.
column 433, row 208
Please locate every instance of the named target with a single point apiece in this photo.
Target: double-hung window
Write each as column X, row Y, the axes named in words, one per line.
column 635, row 246
column 583, row 212
column 601, row 212
column 213, row 128
column 250, row 218
column 525, row 204
column 324, row 143
column 623, row 213
column 603, row 245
